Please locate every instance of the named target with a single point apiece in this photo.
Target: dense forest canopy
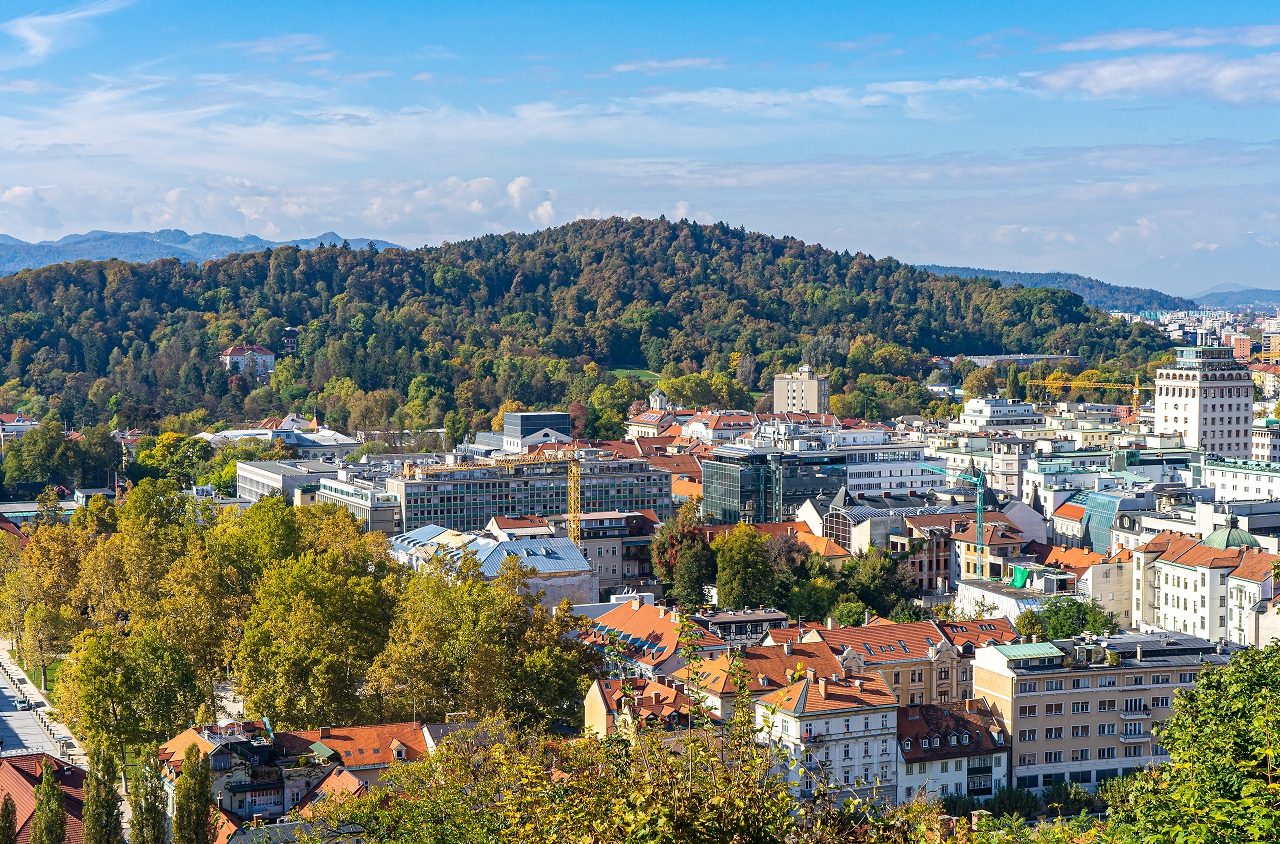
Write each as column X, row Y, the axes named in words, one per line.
column 533, row 318
column 1099, row 294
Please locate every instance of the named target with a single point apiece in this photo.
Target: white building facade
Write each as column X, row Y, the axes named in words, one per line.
column 1207, row 398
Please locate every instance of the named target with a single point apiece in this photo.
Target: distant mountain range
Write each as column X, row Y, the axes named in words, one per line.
column 1239, row 296
column 18, row 254
column 1099, row 294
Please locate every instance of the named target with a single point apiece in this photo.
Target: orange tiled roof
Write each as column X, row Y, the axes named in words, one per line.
column 1173, row 547
column 1255, row 565
column 767, row 667
column 978, row 633
column 650, row 635
column 818, row 695
column 338, row 782
column 1073, row 512
column 880, row 643
column 648, row 698
column 373, row 744
column 1077, row 561
column 519, row 522
column 688, row 489
column 941, row 722
column 951, row 521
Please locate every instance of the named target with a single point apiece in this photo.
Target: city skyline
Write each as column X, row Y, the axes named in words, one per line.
column 1137, row 145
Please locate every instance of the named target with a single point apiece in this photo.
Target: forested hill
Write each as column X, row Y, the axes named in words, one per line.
column 504, row 317
column 1099, row 294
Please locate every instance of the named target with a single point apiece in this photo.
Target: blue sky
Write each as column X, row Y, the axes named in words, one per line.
column 1135, row 142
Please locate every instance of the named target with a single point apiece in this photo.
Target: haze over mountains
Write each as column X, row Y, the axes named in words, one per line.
column 97, row 245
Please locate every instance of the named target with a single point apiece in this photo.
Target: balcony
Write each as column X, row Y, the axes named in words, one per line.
column 811, row 737
column 1135, row 714
column 1134, row 738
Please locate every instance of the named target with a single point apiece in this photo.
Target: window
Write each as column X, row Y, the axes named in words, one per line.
column 1107, row 705
column 1160, row 703
column 1027, row 711
column 1132, row 751
column 1027, row 687
column 946, row 767
column 1106, row 729
column 1053, row 709
column 911, row 769
column 1026, row 735
column 1079, row 706
column 1052, row 757
column 1052, row 733
column 1025, row 759
column 1030, row 781
column 1053, row 685
column 1080, row 755
column 1082, row 682
column 1080, row 731
column 1106, row 753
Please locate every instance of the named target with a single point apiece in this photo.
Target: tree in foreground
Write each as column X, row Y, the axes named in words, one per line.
column 193, row 819
column 148, row 823
column 103, row 823
column 49, row 821
column 8, row 821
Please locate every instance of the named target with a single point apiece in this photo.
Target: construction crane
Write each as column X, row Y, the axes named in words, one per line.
column 573, row 503
column 980, row 483
column 1137, row 387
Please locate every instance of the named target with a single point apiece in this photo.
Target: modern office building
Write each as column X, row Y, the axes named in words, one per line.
column 366, row 498
column 260, row 478
column 467, row 497
column 753, row 484
column 1081, row 710
column 1207, row 398
column 522, row 430
column 802, row 391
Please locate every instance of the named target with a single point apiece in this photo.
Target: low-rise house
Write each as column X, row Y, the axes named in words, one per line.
column 643, row 640
column 1106, row 579
column 766, row 668
column 839, row 730
column 741, row 628
column 951, row 749
column 618, row 706
column 249, row 359
column 20, row 773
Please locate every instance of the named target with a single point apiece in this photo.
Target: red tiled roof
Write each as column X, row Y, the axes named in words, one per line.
column 880, row 643
column 1077, row 561
column 252, row 348
column 649, row 699
column 952, row 521
column 1256, row 565
column 979, row 633
column 373, row 744
column 1173, row 547
column 519, row 522
column 650, row 635
column 19, row 776
column 339, row 781
column 769, row 667
column 997, row 534
column 941, row 722
column 831, row 695
column 684, row 466
column 1072, row 512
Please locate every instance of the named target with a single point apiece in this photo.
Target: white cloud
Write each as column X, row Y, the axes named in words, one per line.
column 544, row 215
column 652, row 66
column 27, row 204
column 1267, row 35
column 769, row 103
column 1204, row 246
column 40, row 33
column 934, row 86
column 1237, row 81
column 293, row 45
column 1142, row 229
column 1012, row 232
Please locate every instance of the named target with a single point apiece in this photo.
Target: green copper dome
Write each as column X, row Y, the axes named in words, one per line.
column 1231, row 536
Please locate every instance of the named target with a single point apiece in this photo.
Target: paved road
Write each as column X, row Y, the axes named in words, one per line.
column 20, row 730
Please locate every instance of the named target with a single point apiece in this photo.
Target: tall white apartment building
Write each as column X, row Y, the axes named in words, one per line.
column 1207, row 398
column 802, row 391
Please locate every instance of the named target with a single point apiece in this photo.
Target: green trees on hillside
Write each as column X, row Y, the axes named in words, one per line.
column 440, row 337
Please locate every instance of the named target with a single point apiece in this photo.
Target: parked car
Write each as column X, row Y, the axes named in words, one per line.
column 23, row 704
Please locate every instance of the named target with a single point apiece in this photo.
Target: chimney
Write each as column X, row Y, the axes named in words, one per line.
column 787, row 648
column 635, row 604
column 866, row 617
column 810, row 675
column 662, row 612
column 675, row 616
column 831, row 623
column 913, row 712
column 1138, row 655
column 324, row 732
column 822, row 688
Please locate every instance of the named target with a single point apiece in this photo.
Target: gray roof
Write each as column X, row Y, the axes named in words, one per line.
column 543, row 554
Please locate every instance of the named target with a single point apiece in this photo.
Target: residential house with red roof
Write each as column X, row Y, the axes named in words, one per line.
column 838, row 728
column 950, row 749
column 619, row 705
column 19, row 776
column 250, row 359
column 766, row 669
column 643, row 640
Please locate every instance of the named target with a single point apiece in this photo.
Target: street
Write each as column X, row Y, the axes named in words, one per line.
column 21, row 730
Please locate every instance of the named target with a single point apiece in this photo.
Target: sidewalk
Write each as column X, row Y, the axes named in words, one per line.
column 69, row 748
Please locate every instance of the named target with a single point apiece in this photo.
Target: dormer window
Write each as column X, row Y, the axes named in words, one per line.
column 906, row 744
column 952, row 740
column 964, row 739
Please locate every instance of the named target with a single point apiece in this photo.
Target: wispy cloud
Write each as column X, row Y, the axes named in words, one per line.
column 40, row 33
column 857, row 45
column 299, row 46
column 944, row 86
column 1267, row 35
column 654, row 66
column 1239, row 81
column 766, row 102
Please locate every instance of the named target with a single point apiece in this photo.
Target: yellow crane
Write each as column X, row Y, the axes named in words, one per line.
column 573, row 504
column 1137, row 387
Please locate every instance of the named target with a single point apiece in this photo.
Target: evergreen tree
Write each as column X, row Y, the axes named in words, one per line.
column 49, row 821
column 8, row 821
column 147, row 821
column 103, row 823
column 192, row 810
